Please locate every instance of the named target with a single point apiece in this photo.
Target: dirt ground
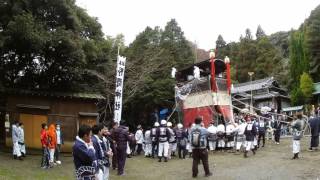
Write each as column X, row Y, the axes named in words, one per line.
column 270, row 162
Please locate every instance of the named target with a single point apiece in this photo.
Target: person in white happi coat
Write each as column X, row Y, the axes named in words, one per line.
column 139, row 139
column 297, row 133
column 15, row 141
column 163, row 136
column 148, row 143
column 21, row 143
column 172, row 141
column 230, row 136
column 212, row 137
column 239, row 135
column 221, row 135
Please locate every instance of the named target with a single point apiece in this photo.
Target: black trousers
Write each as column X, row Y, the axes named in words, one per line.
column 154, row 148
column 114, row 157
column 139, row 149
column 314, row 141
column 45, row 157
column 121, row 157
column 57, row 152
column 263, row 137
column 182, row 151
column 277, row 136
column 200, row 154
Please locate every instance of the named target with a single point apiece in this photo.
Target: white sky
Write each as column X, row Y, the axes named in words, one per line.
column 202, row 20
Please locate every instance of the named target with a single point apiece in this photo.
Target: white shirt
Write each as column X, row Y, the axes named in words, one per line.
column 229, row 129
column 221, row 128
column 139, row 136
column 58, row 137
column 212, row 129
column 147, row 137
column 21, row 135
column 241, row 128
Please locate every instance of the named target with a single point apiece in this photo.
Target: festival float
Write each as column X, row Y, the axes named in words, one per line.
column 204, row 90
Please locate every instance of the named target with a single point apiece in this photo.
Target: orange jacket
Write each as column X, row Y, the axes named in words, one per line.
column 52, row 136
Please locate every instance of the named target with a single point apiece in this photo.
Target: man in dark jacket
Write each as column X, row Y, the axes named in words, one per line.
column 154, row 139
column 262, row 132
column 315, row 128
column 84, row 154
column 277, row 131
column 121, row 137
column 113, row 145
column 251, row 133
column 182, row 139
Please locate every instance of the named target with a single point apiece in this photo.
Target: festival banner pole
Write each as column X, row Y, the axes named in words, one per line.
column 119, row 88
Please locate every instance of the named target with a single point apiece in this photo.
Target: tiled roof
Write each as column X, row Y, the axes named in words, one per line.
column 80, row 95
column 254, row 85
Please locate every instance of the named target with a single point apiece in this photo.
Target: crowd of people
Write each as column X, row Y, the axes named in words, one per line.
column 97, row 150
column 19, row 148
column 93, row 156
column 51, row 140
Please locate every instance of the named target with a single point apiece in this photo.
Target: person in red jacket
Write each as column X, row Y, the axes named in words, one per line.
column 52, row 137
column 44, row 143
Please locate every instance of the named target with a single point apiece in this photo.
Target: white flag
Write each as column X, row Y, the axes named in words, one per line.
column 119, row 88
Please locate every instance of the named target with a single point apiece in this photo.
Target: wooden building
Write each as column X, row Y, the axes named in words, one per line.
column 70, row 110
column 265, row 92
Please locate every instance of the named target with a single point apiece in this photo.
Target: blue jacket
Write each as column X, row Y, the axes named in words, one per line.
column 82, row 155
column 97, row 147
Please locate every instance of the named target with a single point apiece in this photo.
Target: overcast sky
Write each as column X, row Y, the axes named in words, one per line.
column 201, row 20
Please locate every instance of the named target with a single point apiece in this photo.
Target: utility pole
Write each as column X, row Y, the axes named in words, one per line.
column 251, row 105
column 195, row 52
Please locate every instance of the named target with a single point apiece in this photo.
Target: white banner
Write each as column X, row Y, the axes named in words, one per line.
column 119, row 88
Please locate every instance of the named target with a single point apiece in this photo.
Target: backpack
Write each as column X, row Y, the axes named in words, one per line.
column 195, row 138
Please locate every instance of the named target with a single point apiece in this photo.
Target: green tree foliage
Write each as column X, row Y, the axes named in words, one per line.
column 296, row 97
column 248, row 35
column 221, row 47
column 260, row 33
column 298, row 62
column 312, row 42
column 259, row 56
column 154, row 52
column 46, row 44
column 281, row 41
column 220, row 43
column 306, row 86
